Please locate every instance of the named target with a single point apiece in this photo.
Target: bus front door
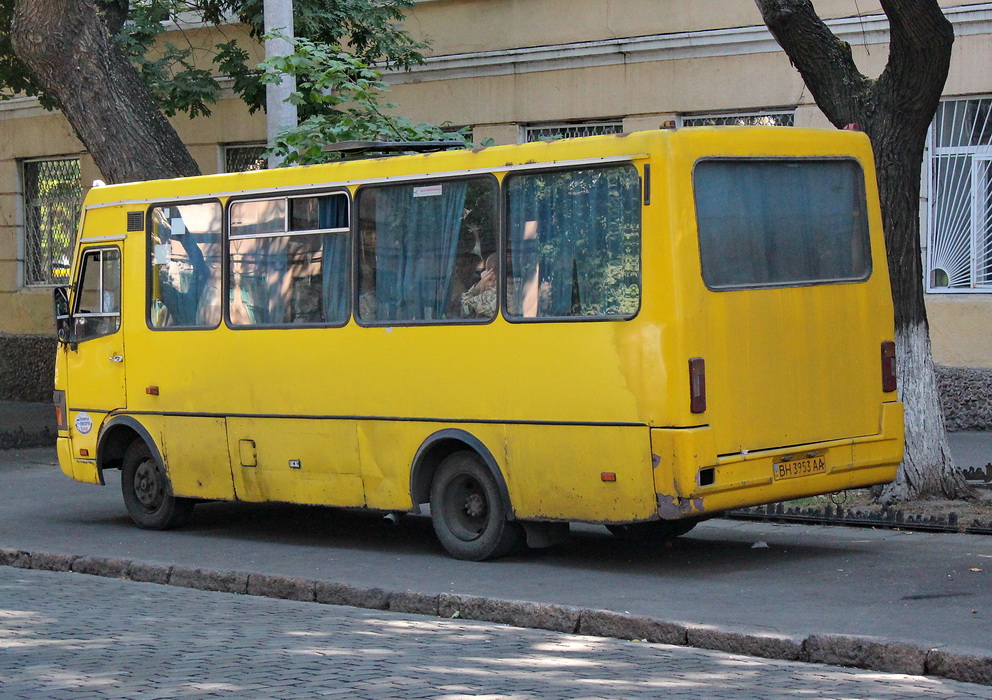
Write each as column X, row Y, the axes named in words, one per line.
column 95, row 358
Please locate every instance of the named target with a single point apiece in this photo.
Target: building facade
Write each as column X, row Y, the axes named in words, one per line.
column 517, row 70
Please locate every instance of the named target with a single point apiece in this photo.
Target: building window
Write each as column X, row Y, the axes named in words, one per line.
column 959, row 250
column 245, row 157
column 783, row 118
column 53, row 199
column 553, row 132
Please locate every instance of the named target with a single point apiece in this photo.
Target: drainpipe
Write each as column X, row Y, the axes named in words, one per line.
column 280, row 113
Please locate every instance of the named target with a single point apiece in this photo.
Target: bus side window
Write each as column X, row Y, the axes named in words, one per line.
column 573, row 244
column 184, row 266
column 98, row 302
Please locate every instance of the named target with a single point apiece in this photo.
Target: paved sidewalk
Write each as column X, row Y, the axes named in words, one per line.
column 66, row 635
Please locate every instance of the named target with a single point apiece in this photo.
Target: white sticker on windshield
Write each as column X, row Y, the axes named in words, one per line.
column 428, row 191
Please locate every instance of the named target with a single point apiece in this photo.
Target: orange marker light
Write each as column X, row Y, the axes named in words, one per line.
column 608, row 476
column 151, row 390
column 84, row 453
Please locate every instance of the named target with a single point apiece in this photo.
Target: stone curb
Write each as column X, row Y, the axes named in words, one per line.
column 869, row 653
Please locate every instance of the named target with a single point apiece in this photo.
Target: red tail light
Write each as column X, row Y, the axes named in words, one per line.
column 697, row 385
column 889, row 366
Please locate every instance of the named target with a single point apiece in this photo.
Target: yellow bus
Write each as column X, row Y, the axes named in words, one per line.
column 640, row 331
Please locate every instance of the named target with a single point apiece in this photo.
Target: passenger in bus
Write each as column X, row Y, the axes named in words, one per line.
column 468, row 271
column 480, row 300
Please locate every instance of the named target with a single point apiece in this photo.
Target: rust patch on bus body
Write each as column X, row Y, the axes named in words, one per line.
column 675, row 507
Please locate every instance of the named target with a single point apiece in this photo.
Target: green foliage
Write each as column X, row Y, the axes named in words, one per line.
column 337, row 95
column 178, row 76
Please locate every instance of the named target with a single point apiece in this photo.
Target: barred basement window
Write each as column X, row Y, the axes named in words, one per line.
column 783, row 118
column 53, row 199
column 245, row 157
column 959, row 250
column 553, row 132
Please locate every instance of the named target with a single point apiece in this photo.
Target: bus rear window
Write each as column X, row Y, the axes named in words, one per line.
column 780, row 223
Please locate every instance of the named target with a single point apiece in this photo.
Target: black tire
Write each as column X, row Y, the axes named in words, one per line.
column 148, row 493
column 468, row 511
column 653, row 531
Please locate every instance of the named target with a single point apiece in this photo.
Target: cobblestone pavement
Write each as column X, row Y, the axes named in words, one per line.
column 66, row 635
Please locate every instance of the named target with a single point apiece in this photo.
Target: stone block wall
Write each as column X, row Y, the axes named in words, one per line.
column 966, row 394
column 27, row 367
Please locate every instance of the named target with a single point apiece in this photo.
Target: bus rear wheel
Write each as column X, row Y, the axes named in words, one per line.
column 468, row 511
column 148, row 494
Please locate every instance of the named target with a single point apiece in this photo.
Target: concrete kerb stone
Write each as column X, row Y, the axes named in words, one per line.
column 209, row 580
column 16, row 558
column 606, row 623
column 99, row 566
column 557, row 618
column 839, row 650
column 765, row 646
column 283, row 587
column 149, row 573
column 50, row 561
column 342, row 594
column 865, row 652
column 964, row 666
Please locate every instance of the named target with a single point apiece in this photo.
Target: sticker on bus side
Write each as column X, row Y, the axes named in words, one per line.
column 83, row 423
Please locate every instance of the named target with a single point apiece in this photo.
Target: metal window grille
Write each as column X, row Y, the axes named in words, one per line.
column 553, row 132
column 959, row 249
column 53, row 199
column 740, row 119
column 243, row 158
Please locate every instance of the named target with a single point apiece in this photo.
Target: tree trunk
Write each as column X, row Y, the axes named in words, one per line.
column 895, row 111
column 69, row 48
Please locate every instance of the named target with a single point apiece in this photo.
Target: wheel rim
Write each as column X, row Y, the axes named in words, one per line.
column 466, row 507
column 149, row 486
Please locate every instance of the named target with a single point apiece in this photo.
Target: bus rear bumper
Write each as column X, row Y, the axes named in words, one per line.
column 692, row 480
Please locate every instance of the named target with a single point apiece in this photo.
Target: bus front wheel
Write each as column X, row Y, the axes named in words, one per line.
column 147, row 493
column 468, row 511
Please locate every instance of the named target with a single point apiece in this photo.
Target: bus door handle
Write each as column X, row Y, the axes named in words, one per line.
column 116, row 358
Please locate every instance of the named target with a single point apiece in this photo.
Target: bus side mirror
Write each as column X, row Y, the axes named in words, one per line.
column 63, row 319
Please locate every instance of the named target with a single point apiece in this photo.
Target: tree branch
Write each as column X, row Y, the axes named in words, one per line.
column 824, row 61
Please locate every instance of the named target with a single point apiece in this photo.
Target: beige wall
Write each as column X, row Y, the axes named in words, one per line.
column 464, row 26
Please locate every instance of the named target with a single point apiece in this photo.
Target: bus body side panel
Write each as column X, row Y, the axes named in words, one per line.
column 552, row 472
column 581, row 473
column 309, row 461
column 388, row 450
column 194, row 449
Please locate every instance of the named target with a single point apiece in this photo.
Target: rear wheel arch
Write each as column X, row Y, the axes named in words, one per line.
column 441, row 445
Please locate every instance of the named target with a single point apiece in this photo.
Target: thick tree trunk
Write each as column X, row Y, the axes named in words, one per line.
column 895, row 111
column 68, row 47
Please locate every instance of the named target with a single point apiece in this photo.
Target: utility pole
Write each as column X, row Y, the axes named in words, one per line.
column 280, row 113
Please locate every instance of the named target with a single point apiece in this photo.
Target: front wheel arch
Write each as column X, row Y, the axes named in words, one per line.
column 116, row 436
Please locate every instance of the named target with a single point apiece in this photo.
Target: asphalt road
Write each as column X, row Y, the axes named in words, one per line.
column 928, row 589
column 66, row 635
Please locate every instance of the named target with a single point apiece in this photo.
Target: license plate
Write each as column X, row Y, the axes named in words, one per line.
column 795, row 468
